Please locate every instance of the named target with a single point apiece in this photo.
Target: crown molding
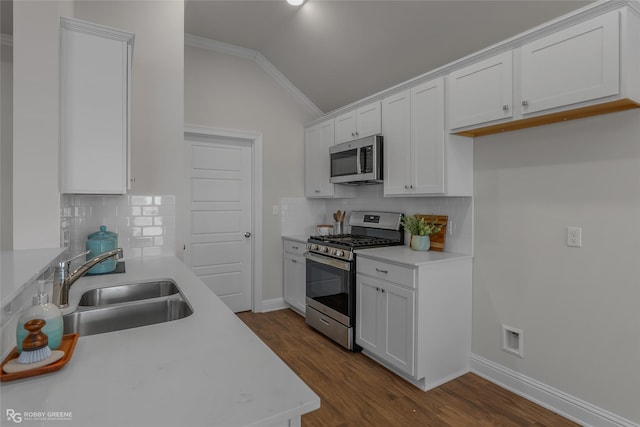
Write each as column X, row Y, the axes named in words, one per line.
column 6, row 40
column 260, row 60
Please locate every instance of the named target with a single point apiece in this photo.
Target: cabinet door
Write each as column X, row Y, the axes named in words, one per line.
column 396, row 125
column 578, row 64
column 318, row 139
column 427, row 138
column 346, row 127
column 399, row 317
column 94, row 115
column 368, row 322
column 481, row 92
column 368, row 120
column 294, row 281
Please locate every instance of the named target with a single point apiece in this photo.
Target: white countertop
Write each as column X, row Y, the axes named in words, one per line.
column 208, row 369
column 17, row 268
column 405, row 256
column 297, row 238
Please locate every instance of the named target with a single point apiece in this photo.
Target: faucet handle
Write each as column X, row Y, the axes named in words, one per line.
column 65, row 264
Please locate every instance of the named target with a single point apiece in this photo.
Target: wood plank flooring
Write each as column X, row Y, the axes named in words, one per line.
column 356, row 391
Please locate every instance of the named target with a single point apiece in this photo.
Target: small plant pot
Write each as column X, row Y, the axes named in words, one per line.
column 420, row 243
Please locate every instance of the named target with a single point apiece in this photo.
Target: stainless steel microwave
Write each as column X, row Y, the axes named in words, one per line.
column 357, row 162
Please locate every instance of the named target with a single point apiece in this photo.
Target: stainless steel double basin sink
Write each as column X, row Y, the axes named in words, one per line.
column 127, row 306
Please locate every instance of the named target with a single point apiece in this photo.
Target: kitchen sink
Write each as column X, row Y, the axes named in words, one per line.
column 129, row 292
column 127, row 306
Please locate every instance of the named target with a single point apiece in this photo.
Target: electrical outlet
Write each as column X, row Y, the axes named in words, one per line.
column 574, row 237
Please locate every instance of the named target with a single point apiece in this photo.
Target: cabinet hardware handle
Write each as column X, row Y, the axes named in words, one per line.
column 316, row 191
column 353, row 134
column 505, row 107
column 247, row 234
column 294, row 247
column 294, row 261
column 357, row 134
column 411, row 186
column 377, row 289
column 382, row 271
column 382, row 290
column 324, row 321
column 406, row 187
column 525, row 103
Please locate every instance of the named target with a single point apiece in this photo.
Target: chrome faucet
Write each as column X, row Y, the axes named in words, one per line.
column 63, row 280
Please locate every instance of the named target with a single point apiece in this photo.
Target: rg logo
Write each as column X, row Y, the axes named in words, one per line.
column 14, row 416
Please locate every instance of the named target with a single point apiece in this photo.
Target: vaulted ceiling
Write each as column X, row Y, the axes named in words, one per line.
column 336, row 52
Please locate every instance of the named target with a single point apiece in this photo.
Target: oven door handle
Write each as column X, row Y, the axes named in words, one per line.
column 342, row 265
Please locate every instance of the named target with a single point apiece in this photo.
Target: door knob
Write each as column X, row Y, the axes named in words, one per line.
column 247, row 234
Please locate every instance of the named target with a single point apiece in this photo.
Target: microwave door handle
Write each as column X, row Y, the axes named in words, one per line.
column 358, row 159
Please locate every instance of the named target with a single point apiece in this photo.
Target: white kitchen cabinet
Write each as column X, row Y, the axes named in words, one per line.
column 317, row 165
column 413, row 128
column 576, row 71
column 95, row 90
column 385, row 322
column 294, row 274
column 414, row 312
column 574, row 65
column 481, row 92
column 358, row 123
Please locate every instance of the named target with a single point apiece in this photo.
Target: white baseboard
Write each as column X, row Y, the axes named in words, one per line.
column 272, row 305
column 553, row 399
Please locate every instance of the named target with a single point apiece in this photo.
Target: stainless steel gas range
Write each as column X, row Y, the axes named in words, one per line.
column 331, row 272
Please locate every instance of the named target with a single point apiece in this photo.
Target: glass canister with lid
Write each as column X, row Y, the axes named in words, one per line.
column 100, row 242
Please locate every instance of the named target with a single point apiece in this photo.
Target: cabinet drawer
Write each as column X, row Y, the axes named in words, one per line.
column 391, row 272
column 295, row 247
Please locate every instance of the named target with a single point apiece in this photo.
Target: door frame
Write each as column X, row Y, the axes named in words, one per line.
column 255, row 140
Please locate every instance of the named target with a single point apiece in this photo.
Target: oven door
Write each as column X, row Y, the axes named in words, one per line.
column 330, row 285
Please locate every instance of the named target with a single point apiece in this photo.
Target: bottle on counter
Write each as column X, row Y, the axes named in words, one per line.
column 42, row 309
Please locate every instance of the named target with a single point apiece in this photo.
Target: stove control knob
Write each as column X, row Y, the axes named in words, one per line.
column 333, row 251
column 339, row 253
column 325, row 249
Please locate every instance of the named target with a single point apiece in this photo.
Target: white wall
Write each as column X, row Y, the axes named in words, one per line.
column 228, row 92
column 157, row 91
column 579, row 308
column 6, row 147
column 36, row 216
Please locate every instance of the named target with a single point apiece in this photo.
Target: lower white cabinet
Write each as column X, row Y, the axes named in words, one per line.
column 414, row 317
column 294, row 274
column 385, row 322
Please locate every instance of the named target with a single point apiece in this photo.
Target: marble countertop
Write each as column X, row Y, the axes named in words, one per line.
column 297, row 237
column 206, row 369
column 18, row 268
column 403, row 255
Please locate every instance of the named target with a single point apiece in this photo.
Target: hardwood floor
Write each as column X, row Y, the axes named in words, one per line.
column 356, row 391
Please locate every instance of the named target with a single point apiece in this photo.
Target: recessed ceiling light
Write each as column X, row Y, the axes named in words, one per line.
column 295, row 2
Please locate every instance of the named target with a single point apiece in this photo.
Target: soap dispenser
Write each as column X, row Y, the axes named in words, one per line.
column 42, row 309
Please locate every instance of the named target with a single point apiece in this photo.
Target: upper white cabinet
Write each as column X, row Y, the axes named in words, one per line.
column 317, row 166
column 481, row 92
column 317, row 141
column 358, row 123
column 94, row 91
column 419, row 158
column 574, row 65
column 588, row 68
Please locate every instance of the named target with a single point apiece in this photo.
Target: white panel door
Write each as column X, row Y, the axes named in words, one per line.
column 396, row 130
column 578, row 64
column 368, row 321
column 481, row 92
column 427, row 137
column 399, row 317
column 346, row 127
column 220, row 251
column 368, row 120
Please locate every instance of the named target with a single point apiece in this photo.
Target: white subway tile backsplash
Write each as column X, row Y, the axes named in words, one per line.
column 141, row 222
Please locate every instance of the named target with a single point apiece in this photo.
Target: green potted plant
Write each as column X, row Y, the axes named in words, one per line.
column 420, row 231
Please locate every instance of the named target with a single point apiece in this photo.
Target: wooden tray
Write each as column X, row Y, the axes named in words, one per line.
column 67, row 345
column 438, row 239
